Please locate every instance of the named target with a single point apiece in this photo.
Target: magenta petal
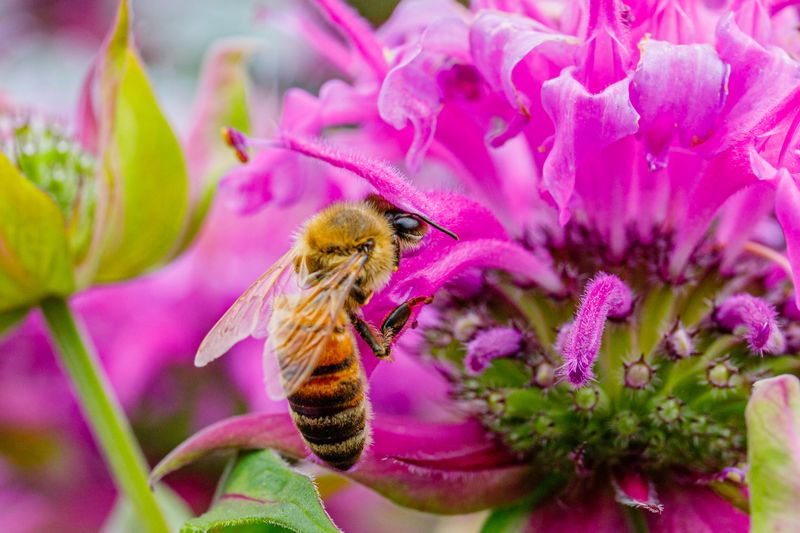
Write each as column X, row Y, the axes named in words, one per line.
column 491, row 344
column 442, row 468
column 740, row 218
column 500, row 42
column 596, row 512
column 387, row 181
column 759, row 80
column 248, row 431
column 410, row 93
column 358, row 31
column 634, row 490
column 696, row 509
column 425, row 274
column 690, row 113
column 725, row 175
column 584, row 124
column 787, row 209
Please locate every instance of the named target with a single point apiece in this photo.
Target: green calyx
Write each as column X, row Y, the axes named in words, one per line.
column 670, row 386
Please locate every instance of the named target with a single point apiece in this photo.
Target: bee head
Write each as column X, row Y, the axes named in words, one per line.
column 408, row 228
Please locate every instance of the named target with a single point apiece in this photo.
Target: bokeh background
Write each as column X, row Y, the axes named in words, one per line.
column 52, row 478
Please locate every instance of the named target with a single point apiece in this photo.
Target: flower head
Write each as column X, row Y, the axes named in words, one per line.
column 630, row 175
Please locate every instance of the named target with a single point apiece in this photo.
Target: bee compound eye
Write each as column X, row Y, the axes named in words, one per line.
column 406, row 224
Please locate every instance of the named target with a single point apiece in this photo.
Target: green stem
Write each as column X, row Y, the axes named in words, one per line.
column 104, row 414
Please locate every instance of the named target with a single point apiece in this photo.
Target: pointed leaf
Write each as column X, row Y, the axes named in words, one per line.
column 146, row 182
column 262, row 489
column 34, row 253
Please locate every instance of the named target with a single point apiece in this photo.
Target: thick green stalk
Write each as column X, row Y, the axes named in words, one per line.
column 104, row 414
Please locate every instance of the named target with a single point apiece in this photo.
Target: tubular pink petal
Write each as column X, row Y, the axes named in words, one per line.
column 605, row 296
column 787, row 210
column 358, row 31
column 724, row 176
column 425, row 274
column 760, row 79
column 491, row 344
column 442, row 468
column 584, row 124
column 688, row 114
column 606, row 51
column 410, row 92
column 758, row 319
column 500, row 43
column 387, row 181
column 740, row 218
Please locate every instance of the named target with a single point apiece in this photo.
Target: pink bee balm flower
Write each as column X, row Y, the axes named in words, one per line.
column 623, row 179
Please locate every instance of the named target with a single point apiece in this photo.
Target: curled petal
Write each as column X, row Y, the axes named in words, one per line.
column 757, row 318
column 411, row 94
column 605, row 296
column 491, row 344
column 584, row 124
column 442, row 468
column 773, row 449
column 425, row 274
column 387, row 181
column 690, row 113
column 500, row 42
column 759, row 80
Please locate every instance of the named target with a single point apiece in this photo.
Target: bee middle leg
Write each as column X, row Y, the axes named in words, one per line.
column 380, row 342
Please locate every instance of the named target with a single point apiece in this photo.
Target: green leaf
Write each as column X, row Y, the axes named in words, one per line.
column 262, row 489
column 773, row 452
column 221, row 102
column 146, row 181
column 35, row 259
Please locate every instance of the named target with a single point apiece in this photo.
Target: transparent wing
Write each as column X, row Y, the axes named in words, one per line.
column 301, row 325
column 249, row 314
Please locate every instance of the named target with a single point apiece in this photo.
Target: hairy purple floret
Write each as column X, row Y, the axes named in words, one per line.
column 605, row 296
column 491, row 344
column 757, row 318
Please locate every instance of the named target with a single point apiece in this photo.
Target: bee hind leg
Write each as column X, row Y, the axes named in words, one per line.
column 380, row 342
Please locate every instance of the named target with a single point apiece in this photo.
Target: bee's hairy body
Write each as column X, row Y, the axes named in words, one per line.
column 331, row 409
column 308, row 305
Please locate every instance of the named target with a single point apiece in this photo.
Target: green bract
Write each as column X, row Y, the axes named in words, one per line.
column 117, row 201
column 773, row 448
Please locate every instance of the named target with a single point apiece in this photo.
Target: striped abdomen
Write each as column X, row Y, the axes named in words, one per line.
column 330, row 408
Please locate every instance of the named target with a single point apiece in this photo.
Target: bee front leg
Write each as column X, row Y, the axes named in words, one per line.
column 373, row 339
column 380, row 342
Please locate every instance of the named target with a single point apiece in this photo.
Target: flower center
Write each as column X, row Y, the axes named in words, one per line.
column 626, row 369
column 54, row 162
column 49, row 158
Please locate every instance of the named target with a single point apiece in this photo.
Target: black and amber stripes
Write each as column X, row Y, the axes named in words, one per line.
column 330, row 408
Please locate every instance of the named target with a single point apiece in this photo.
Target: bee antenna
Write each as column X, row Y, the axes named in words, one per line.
column 437, row 226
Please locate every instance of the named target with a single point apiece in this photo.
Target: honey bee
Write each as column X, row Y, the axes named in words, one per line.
column 305, row 304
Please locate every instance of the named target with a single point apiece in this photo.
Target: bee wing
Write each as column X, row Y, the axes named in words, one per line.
column 302, row 324
column 249, row 313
